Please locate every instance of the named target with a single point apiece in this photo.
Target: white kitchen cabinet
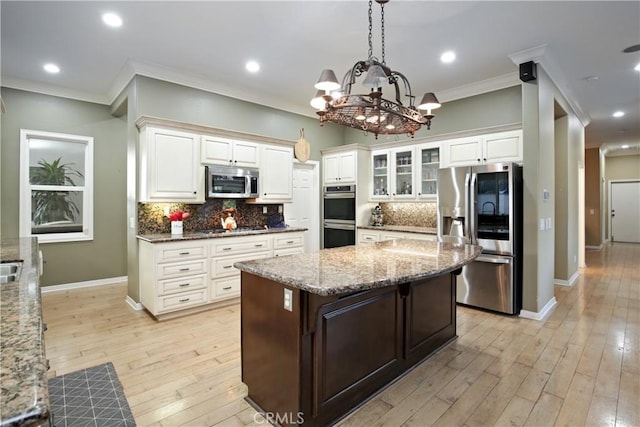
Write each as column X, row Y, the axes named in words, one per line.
column 276, row 174
column 170, row 169
column 340, row 168
column 288, row 243
column 192, row 275
column 367, row 235
column 173, row 276
column 483, row 149
column 428, row 163
column 224, row 151
column 393, row 174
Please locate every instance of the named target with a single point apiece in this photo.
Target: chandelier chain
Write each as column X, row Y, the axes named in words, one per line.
column 370, row 29
column 382, row 36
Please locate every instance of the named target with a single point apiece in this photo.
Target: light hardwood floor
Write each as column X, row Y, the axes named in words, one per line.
column 580, row 366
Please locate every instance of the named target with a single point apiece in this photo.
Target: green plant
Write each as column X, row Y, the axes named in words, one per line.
column 48, row 205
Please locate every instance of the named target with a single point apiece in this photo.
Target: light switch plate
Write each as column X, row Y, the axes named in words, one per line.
column 541, row 226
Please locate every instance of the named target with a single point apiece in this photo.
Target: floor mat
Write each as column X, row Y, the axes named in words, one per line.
column 90, row 397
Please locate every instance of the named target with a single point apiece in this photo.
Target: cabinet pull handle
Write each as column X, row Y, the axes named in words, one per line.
column 184, row 253
column 226, row 249
column 182, row 285
column 289, row 242
column 184, row 300
column 258, row 245
column 228, row 266
column 184, row 269
column 226, row 288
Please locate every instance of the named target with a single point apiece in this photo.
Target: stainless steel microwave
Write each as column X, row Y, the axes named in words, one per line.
column 231, row 182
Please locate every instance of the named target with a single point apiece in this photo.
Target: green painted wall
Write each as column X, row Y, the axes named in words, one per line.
column 171, row 101
column 104, row 256
column 497, row 108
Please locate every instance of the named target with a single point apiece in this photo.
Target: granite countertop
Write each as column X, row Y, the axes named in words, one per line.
column 350, row 269
column 24, row 396
column 402, row 228
column 218, row 233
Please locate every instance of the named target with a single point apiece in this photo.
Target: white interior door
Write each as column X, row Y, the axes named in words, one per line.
column 304, row 210
column 625, row 211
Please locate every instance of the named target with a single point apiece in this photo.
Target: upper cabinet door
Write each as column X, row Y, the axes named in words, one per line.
column 428, row 163
column 463, row 151
column 380, row 179
column 340, row 168
column 403, row 167
column 503, row 147
column 223, row 151
column 170, row 169
column 245, row 154
column 276, row 178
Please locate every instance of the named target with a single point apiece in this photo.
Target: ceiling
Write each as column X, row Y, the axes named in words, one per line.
column 206, row 44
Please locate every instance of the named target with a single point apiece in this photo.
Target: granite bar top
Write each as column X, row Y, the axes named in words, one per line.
column 402, row 228
column 214, row 234
column 366, row 266
column 24, row 396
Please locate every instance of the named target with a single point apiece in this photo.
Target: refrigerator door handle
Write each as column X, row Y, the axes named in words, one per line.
column 471, row 211
column 493, row 260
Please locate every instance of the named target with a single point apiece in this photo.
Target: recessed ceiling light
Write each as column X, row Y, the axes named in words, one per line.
column 637, row 67
column 618, row 114
column 448, row 56
column 51, row 68
column 625, row 146
column 112, row 20
column 252, row 66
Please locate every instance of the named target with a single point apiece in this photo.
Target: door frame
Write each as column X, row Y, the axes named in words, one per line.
column 614, row 181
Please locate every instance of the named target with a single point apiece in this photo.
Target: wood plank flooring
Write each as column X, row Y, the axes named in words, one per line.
column 580, row 366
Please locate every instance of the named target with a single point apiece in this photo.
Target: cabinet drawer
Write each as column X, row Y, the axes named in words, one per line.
column 182, row 268
column 224, row 266
column 228, row 286
column 183, row 300
column 288, row 251
column 237, row 246
column 177, row 252
column 293, row 240
column 166, row 287
column 369, row 237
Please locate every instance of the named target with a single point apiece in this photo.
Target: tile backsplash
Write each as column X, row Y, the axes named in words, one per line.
column 410, row 214
column 151, row 219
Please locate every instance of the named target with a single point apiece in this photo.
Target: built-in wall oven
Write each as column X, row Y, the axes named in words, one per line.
column 339, row 216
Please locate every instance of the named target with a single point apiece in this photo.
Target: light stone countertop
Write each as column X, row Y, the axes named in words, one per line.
column 365, row 266
column 219, row 233
column 24, row 396
column 401, row 228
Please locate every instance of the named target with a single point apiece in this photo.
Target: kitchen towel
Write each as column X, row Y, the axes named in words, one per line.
column 90, row 397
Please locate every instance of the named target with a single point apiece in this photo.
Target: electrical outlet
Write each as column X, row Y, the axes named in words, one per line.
column 288, row 299
column 166, row 211
column 264, row 209
column 541, row 225
column 280, row 209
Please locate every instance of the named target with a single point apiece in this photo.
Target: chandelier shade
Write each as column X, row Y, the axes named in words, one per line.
column 371, row 112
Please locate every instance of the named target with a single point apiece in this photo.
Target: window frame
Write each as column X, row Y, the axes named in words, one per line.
column 26, row 187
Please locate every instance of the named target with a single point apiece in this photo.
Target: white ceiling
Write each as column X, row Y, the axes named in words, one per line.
column 206, row 44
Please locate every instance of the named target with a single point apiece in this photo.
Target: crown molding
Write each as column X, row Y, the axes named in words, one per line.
column 482, row 86
column 29, row 86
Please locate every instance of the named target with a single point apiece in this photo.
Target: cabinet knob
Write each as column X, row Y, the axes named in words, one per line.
column 230, row 161
column 194, row 192
column 484, row 160
column 264, row 194
column 419, row 194
column 478, row 160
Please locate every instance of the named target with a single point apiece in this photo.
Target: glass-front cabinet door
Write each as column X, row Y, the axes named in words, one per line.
column 403, row 164
column 429, row 159
column 380, row 170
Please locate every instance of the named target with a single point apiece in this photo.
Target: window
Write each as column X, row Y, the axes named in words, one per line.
column 56, row 186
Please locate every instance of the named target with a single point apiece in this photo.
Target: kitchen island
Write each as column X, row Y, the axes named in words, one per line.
column 322, row 332
column 24, row 395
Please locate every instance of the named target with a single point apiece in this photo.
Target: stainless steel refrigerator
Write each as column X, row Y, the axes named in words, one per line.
column 482, row 205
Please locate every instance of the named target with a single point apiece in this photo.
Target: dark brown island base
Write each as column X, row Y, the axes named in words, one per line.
column 322, row 332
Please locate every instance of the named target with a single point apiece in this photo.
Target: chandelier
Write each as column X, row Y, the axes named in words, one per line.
column 371, row 112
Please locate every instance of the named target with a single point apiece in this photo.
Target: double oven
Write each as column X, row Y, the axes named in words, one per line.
column 339, row 216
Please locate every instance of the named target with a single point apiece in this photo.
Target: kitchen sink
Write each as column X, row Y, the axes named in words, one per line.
column 10, row 271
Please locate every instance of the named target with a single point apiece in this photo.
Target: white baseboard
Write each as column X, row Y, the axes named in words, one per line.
column 87, row 284
column 540, row 315
column 596, row 248
column 569, row 282
column 135, row 305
